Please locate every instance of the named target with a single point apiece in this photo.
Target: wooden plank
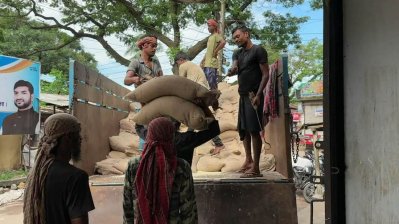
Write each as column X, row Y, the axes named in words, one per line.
column 96, row 131
column 277, row 134
column 88, row 93
column 80, row 72
column 87, row 75
column 115, row 102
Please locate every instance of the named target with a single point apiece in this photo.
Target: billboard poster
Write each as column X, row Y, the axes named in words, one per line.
column 312, row 89
column 19, row 96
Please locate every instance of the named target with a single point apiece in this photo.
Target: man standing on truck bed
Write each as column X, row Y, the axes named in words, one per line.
column 144, row 65
column 250, row 62
column 194, row 72
column 210, row 62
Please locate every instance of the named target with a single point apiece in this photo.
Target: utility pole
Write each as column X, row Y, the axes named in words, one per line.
column 222, row 25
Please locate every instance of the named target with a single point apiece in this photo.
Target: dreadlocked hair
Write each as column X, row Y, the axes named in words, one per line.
column 34, row 200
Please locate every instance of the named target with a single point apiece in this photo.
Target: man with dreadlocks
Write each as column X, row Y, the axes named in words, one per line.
column 56, row 191
column 159, row 187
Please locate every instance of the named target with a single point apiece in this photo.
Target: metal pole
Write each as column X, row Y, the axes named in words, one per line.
column 221, row 29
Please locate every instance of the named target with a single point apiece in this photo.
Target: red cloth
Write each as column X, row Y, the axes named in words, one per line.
column 270, row 106
column 145, row 40
column 212, row 22
column 156, row 172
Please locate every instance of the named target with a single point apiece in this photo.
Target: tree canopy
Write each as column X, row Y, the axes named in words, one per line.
column 47, row 46
column 128, row 19
column 306, row 61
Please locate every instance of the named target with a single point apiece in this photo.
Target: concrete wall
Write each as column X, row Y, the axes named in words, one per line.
column 309, row 109
column 371, row 71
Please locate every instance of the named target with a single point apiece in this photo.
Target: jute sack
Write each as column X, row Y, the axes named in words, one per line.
column 226, row 125
column 106, row 167
column 233, row 163
column 204, row 148
column 228, row 136
column 209, row 164
column 267, row 162
column 223, row 85
column 194, row 163
column 116, row 155
column 172, row 85
column 229, row 95
column 178, row 108
column 127, row 125
column 133, row 152
column 124, row 141
column 122, row 165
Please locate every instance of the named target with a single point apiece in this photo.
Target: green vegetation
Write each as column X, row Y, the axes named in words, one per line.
column 12, row 174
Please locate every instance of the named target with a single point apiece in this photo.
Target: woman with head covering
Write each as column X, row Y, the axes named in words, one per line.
column 159, row 187
column 57, row 192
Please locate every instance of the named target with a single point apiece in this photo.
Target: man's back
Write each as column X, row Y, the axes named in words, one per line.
column 193, row 72
column 67, row 193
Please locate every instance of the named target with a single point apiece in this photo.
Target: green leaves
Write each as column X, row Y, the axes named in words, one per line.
column 280, row 30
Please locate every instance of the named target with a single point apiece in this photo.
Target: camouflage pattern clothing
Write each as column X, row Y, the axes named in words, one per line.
column 183, row 207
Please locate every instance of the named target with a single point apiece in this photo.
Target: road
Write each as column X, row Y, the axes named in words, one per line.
column 12, row 213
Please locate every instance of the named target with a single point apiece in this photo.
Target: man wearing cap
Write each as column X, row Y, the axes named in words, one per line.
column 210, row 62
column 145, row 65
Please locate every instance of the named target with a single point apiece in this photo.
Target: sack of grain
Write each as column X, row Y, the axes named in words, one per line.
column 226, row 125
column 127, row 125
column 124, row 141
column 267, row 162
column 122, row 165
column 233, row 163
column 209, row 164
column 173, row 85
column 228, row 136
column 116, row 155
column 182, row 110
column 106, row 167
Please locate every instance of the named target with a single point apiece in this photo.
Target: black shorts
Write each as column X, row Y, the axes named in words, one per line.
column 248, row 120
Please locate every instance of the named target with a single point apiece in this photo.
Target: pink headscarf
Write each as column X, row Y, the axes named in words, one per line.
column 156, row 173
column 212, row 22
column 145, row 40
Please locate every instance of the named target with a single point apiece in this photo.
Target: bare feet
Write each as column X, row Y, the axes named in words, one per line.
column 252, row 172
column 246, row 166
column 217, row 149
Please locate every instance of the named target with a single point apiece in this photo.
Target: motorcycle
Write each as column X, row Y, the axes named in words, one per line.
column 303, row 172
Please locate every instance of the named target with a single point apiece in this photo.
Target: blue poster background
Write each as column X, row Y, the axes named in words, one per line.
column 11, row 70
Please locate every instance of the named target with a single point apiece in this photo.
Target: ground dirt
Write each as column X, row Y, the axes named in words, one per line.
column 12, row 212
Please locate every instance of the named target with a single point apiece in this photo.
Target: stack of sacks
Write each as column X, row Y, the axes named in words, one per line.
column 176, row 97
column 232, row 157
column 123, row 147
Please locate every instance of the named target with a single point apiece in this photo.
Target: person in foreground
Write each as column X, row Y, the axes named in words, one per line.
column 159, row 187
column 250, row 63
column 57, row 192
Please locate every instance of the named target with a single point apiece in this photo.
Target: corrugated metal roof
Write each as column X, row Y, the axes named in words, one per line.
column 58, row 100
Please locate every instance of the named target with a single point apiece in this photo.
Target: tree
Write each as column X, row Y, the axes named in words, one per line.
column 58, row 86
column 126, row 19
column 20, row 40
column 306, row 61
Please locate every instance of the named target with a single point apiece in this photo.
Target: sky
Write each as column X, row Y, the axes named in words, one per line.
column 107, row 66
